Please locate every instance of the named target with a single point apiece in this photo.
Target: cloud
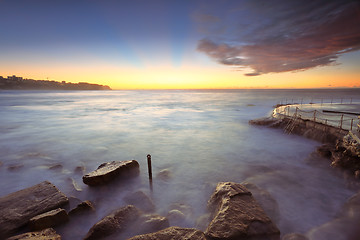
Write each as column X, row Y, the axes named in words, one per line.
column 281, row 36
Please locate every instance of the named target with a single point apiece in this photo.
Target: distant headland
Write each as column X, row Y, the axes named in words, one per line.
column 19, row 83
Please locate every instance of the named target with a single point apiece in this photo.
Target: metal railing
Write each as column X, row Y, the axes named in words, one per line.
column 342, row 121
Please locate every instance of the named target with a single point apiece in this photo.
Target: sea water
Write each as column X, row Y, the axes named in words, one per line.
column 199, row 137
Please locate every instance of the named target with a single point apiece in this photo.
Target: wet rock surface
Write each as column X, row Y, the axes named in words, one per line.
column 49, row 219
column 46, row 234
column 17, row 208
column 113, row 223
column 141, row 201
column 82, row 208
column 111, row 170
column 236, row 215
column 173, row 233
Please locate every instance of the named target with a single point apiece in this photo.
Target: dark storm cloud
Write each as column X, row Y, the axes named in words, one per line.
column 281, row 36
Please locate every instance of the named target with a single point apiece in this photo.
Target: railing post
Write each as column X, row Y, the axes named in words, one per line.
column 352, row 120
column 288, row 111
column 296, row 112
column 314, row 115
column 341, row 120
column 149, row 166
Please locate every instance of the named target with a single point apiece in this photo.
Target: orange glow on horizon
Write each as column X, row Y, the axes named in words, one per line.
column 185, row 77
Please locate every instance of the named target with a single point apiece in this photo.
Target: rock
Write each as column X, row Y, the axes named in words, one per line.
column 49, row 219
column 164, row 175
column 266, row 201
column 83, row 207
column 176, row 216
column 266, row 121
column 173, row 233
column 140, row 200
column 17, row 208
column 151, row 223
column 236, row 215
column 74, row 184
column 294, row 236
column 108, row 171
column 117, row 221
column 15, row 167
column 80, row 170
column 56, row 167
column 325, row 150
column 46, row 234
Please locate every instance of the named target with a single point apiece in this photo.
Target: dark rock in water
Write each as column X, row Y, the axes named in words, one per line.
column 236, row 215
column 117, row 221
column 266, row 201
column 83, row 207
column 14, row 167
column 49, row 219
column 325, row 150
column 46, row 234
column 56, row 167
column 294, row 236
column 266, row 121
column 180, row 214
column 173, row 233
column 164, row 175
column 108, row 171
column 140, row 200
column 17, row 208
column 80, row 170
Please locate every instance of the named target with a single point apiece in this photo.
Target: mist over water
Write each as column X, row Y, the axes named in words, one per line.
column 200, row 136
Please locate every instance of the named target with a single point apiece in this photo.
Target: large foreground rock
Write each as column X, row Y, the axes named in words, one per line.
column 46, row 234
column 17, row 208
column 236, row 215
column 173, row 233
column 117, row 221
column 108, row 171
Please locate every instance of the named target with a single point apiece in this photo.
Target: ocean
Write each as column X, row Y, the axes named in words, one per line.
column 198, row 137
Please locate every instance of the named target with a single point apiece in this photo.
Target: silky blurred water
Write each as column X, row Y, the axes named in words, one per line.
column 200, row 136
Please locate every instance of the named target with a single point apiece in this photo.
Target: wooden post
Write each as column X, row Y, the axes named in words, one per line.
column 288, row 111
column 149, row 166
column 314, row 115
column 296, row 111
column 351, row 124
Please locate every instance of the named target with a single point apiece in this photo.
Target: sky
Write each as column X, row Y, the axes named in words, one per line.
column 183, row 44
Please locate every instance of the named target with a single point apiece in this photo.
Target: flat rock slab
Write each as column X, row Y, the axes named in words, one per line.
column 17, row 208
column 46, row 234
column 173, row 233
column 49, row 219
column 236, row 215
column 111, row 170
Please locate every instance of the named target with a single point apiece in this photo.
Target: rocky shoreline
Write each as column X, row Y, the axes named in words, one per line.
column 339, row 145
column 233, row 212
